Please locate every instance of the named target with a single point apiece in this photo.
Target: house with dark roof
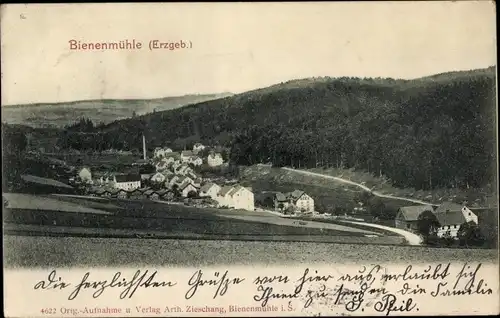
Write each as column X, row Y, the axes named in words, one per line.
column 448, row 206
column 281, row 202
column 407, row 216
column 136, row 194
column 451, row 216
column 302, row 201
column 158, row 177
column 297, row 198
column 186, row 187
column 127, row 182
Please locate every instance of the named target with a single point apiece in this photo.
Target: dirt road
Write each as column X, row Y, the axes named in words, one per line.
column 375, row 193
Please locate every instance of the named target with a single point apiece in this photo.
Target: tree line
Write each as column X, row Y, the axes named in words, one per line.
column 428, row 133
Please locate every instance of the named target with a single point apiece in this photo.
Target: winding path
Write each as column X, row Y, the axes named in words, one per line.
column 375, row 193
column 413, row 239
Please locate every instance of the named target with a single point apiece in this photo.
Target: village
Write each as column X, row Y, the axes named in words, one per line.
column 181, row 178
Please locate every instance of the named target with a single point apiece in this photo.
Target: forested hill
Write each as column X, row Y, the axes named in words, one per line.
column 437, row 131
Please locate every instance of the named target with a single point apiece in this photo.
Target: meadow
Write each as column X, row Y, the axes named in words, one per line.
column 57, row 252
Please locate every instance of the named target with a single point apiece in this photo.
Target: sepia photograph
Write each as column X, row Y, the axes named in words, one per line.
column 277, row 134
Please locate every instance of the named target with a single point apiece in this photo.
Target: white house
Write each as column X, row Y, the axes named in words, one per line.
column 85, row 175
column 171, row 180
column 210, row 190
column 214, row 160
column 175, row 165
column 158, row 152
column 242, row 198
column 186, row 187
column 184, row 179
column 127, row 182
column 198, row 147
column 186, row 156
column 451, row 216
column 162, row 165
column 172, row 157
column 223, row 198
column 183, row 170
column 196, row 161
column 298, row 199
column 302, row 201
column 237, row 197
column 158, row 177
column 161, row 152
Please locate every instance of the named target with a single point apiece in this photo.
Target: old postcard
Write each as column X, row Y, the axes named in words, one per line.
column 250, row 159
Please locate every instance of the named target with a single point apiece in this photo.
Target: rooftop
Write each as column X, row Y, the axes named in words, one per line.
column 128, row 178
column 451, row 218
column 411, row 213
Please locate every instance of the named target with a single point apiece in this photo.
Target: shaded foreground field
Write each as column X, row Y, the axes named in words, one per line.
column 50, row 252
column 170, row 220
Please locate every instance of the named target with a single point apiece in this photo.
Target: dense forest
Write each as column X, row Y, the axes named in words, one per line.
column 437, row 131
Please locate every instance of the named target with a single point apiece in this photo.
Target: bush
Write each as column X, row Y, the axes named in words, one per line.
column 470, row 235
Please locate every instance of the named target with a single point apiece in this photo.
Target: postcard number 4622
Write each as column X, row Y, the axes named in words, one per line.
column 48, row 311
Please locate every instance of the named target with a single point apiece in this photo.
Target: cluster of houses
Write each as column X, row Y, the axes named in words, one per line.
column 166, row 156
column 449, row 215
column 174, row 177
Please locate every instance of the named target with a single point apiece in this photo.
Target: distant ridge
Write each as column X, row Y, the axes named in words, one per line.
column 59, row 114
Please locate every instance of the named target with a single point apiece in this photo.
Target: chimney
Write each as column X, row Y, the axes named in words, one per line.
column 144, row 147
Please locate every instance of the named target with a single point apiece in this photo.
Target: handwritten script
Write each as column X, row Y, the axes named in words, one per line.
column 374, row 287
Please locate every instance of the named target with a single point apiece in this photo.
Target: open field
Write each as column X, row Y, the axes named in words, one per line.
column 170, row 218
column 21, row 201
column 46, row 252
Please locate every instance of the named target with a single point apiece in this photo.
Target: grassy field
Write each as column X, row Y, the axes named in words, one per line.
column 21, row 201
column 51, row 252
column 168, row 218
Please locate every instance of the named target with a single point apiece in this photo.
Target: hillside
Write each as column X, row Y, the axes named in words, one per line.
column 433, row 132
column 99, row 111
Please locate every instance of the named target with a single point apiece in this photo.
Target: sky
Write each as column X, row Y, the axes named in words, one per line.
column 235, row 46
